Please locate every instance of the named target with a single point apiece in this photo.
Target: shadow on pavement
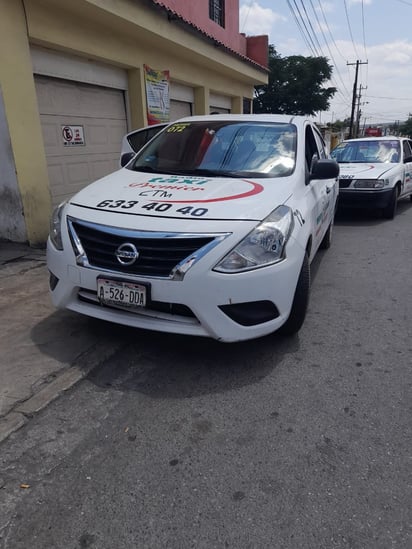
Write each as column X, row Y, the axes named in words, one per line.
column 172, row 366
column 64, row 335
column 360, row 217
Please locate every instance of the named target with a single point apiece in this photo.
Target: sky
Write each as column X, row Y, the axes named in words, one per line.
column 377, row 33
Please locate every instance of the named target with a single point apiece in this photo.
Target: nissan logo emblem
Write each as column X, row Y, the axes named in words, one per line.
column 126, row 254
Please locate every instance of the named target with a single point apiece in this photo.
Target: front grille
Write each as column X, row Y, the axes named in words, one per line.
column 158, row 255
column 344, row 183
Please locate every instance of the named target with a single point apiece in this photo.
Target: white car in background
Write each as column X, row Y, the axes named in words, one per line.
column 374, row 172
column 209, row 231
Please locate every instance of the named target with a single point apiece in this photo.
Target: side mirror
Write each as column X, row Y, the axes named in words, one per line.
column 407, row 159
column 125, row 158
column 324, row 168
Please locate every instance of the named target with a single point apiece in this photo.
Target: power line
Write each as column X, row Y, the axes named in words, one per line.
column 310, row 24
column 330, row 34
column 391, row 98
column 350, row 28
column 307, row 33
column 247, row 15
column 329, row 50
column 299, row 26
column 363, row 30
column 303, row 21
column 364, row 40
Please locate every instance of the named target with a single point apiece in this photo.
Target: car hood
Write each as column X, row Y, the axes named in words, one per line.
column 365, row 170
column 182, row 197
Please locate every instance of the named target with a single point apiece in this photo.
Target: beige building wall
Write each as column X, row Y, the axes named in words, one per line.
column 121, row 33
column 21, row 111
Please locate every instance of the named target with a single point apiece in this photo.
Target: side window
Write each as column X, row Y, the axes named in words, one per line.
column 311, row 148
column 406, row 145
column 141, row 137
column 320, row 143
column 406, row 149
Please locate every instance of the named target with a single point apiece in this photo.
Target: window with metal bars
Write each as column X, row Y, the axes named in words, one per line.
column 217, row 11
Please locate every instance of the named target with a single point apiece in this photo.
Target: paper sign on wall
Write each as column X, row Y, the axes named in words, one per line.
column 157, row 95
column 73, row 135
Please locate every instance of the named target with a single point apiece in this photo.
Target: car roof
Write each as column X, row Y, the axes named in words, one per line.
column 283, row 118
column 380, row 138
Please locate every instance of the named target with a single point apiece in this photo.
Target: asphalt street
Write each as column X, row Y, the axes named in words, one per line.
column 177, row 442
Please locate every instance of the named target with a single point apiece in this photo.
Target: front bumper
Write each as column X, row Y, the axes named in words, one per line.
column 357, row 198
column 204, row 303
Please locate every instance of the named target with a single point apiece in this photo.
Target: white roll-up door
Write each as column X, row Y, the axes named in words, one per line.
column 181, row 101
column 83, row 126
column 179, row 109
column 219, row 104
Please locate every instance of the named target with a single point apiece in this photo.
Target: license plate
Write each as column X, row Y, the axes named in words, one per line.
column 121, row 293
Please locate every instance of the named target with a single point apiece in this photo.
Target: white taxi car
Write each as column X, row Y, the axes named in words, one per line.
column 374, row 172
column 209, row 230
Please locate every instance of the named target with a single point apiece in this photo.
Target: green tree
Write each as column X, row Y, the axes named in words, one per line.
column 339, row 125
column 295, row 85
column 406, row 127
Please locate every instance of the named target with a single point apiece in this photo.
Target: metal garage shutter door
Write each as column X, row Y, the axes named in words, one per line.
column 179, row 109
column 98, row 117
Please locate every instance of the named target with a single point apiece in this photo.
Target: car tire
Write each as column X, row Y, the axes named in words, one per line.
column 390, row 210
column 327, row 239
column 300, row 302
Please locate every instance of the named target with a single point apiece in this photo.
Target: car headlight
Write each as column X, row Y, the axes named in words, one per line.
column 369, row 183
column 55, row 226
column 263, row 246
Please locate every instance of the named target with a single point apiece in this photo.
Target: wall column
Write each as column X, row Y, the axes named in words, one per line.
column 237, row 105
column 137, row 98
column 21, row 108
column 202, row 101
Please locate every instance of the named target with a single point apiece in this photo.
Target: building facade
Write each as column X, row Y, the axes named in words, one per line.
column 73, row 81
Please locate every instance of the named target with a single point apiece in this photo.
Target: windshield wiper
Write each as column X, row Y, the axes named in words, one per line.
column 201, row 172
column 221, row 173
column 143, row 169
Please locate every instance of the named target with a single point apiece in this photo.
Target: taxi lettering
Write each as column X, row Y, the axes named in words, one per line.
column 181, row 180
column 167, row 187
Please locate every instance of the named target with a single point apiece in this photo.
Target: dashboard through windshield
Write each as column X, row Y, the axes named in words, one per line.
column 221, row 148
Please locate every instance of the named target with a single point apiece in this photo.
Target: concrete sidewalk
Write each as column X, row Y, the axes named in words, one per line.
column 43, row 351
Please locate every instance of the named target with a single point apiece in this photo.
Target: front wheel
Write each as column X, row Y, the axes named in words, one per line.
column 300, row 302
column 390, row 210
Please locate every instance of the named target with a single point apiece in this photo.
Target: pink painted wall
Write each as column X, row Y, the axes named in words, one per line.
column 197, row 13
column 258, row 48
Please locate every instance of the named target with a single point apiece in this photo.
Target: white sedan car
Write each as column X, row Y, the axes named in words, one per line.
column 375, row 172
column 209, row 230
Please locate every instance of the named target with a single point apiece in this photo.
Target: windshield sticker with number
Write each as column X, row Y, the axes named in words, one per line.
column 177, row 128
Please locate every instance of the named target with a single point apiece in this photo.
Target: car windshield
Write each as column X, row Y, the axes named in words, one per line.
column 367, row 151
column 221, row 148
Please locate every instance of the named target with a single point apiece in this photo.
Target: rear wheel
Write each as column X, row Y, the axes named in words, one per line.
column 300, row 302
column 390, row 210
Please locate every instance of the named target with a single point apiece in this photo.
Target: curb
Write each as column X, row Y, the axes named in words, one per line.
column 84, row 364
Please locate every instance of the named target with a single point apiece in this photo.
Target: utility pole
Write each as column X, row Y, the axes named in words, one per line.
column 359, row 112
column 355, row 88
